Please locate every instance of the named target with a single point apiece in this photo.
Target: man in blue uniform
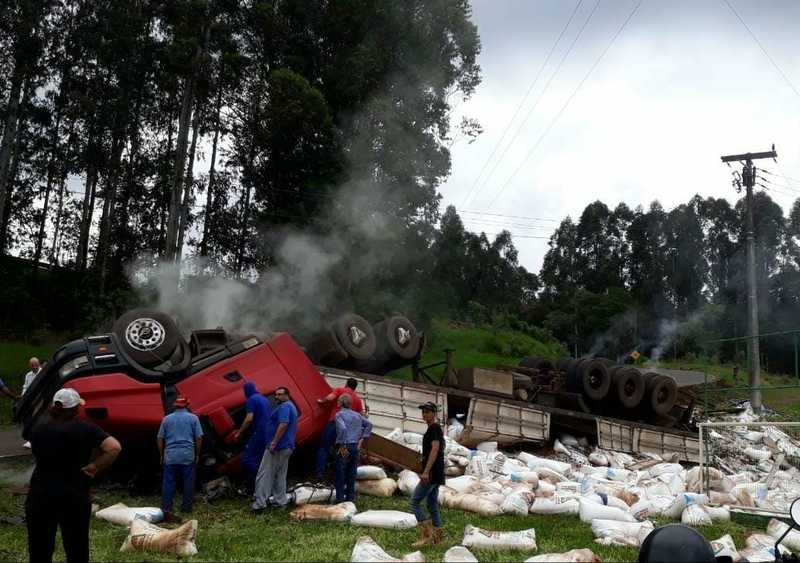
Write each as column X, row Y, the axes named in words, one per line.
column 258, row 411
column 180, row 439
column 281, row 431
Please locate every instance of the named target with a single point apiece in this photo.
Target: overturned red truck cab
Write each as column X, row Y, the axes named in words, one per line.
column 129, row 400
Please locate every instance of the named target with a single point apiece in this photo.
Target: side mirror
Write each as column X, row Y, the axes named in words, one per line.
column 794, row 513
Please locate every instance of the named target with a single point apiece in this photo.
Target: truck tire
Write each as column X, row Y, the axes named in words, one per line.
column 522, row 382
column 325, row 350
column 574, row 384
column 355, row 335
column 542, row 364
column 148, row 337
column 595, row 379
column 396, row 336
column 627, row 386
column 661, row 393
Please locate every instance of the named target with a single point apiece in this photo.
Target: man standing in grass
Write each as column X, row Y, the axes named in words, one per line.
column 36, row 367
column 180, row 439
column 430, row 530
column 281, row 431
column 351, row 429
column 329, row 433
column 258, row 411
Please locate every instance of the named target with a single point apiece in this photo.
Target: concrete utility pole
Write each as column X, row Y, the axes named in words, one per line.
column 748, row 179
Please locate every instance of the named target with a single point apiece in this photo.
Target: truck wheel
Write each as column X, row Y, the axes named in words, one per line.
column 595, row 379
column 628, row 386
column 398, row 336
column 574, row 384
column 148, row 337
column 325, row 350
column 563, row 364
column 355, row 335
column 661, row 394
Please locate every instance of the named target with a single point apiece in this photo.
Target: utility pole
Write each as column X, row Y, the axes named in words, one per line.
column 748, row 179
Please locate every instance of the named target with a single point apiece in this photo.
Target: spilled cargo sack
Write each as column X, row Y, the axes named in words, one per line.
column 613, row 532
column 463, row 484
column 547, row 474
column 469, row 502
column 407, row 481
column 382, row 488
column 572, row 556
column 523, row 540
column 145, row 536
column 590, row 511
column 761, row 544
column 488, row 447
column 598, row 458
column 459, row 554
column 776, row 529
column 123, row 515
column 694, row 515
column 341, row 512
column 530, row 477
column 454, row 429
column 545, row 489
column 313, row 495
column 370, row 472
column 366, row 550
column 517, row 503
column 724, row 547
column 677, row 506
column 391, row 519
column 694, row 480
column 533, row 461
column 554, row 505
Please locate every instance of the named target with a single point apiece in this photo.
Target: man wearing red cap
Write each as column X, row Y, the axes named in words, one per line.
column 180, row 439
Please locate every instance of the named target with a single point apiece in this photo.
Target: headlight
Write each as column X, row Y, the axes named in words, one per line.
column 72, row 365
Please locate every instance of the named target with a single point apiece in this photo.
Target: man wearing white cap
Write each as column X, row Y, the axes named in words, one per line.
column 59, row 496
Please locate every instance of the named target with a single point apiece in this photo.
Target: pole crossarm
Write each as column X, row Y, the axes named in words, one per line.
column 749, row 156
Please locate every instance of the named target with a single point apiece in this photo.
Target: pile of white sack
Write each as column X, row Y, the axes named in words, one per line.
column 144, row 535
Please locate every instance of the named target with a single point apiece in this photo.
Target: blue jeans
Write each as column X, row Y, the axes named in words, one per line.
column 431, row 493
column 173, row 474
column 346, row 474
column 328, row 438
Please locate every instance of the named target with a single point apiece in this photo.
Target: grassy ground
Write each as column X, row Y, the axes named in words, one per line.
column 228, row 532
column 14, row 358
column 479, row 346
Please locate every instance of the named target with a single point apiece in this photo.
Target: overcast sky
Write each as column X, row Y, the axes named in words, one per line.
column 683, row 84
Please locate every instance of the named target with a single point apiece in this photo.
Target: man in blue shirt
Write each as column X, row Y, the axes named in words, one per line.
column 351, row 429
column 180, row 439
column 258, row 411
column 281, row 431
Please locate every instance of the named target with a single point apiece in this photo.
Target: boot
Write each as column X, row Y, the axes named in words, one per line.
column 425, row 534
column 437, row 535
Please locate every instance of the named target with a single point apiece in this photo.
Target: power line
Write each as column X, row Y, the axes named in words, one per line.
column 787, row 178
column 566, row 104
column 521, row 103
column 504, row 215
column 782, row 186
column 539, row 97
column 753, row 35
column 515, row 235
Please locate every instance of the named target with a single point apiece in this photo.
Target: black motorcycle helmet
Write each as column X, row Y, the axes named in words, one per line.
column 676, row 543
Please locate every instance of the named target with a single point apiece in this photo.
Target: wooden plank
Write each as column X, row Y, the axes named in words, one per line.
column 386, row 450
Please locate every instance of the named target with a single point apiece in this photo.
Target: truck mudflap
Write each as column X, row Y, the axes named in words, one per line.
column 391, row 403
column 640, row 438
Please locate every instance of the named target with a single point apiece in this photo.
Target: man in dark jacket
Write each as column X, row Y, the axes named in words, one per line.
column 430, row 530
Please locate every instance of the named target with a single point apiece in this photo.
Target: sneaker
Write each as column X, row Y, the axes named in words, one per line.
column 26, row 445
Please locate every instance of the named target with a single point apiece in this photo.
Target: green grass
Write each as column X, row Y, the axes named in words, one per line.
column 228, row 532
column 14, row 358
column 479, row 346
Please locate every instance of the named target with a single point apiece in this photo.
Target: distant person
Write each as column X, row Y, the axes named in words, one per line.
column 258, row 411
column 62, row 475
column 180, row 439
column 430, row 531
column 35, row 368
column 281, row 432
column 351, row 429
column 6, row 391
column 329, row 433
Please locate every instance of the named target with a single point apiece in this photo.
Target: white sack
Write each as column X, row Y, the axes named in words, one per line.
column 459, row 554
column 123, row 515
column 463, row 484
column 454, row 429
column 694, row 515
column 554, row 505
column 370, row 472
column 675, row 509
column 412, row 438
column 757, row 454
column 572, row 556
column 145, row 536
column 468, row 502
column 776, row 529
column 526, row 477
column 533, row 461
column 313, row 495
column 598, row 458
column 487, row 447
column 545, row 489
column 621, row 533
column 547, row 474
column 523, row 540
column 367, row 551
column 407, row 481
column 724, row 547
column 590, row 511
column 517, row 503
column 341, row 512
column 382, row 488
column 392, row 519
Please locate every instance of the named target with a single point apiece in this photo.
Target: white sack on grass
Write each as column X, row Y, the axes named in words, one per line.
column 758, row 555
column 642, row 510
column 468, row 502
column 407, row 481
column 694, row 515
column 545, row 489
column 523, row 540
column 663, row 468
column 341, row 512
column 491, row 496
column 367, row 551
column 764, row 542
column 392, row 519
column 605, row 500
column 533, row 461
column 675, row 509
column 554, row 505
column 590, row 511
column 547, row 474
column 715, row 497
column 459, row 554
column 613, row 532
column 313, row 495
column 598, row 458
column 776, row 529
column 568, row 488
column 724, row 547
column 478, row 467
column 383, row 488
column 370, row 472
column 463, row 484
column 572, row 556
column 517, row 503
column 526, row 477
column 145, row 536
column 124, row 515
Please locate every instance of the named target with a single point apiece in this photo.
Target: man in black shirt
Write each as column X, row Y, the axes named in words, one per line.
column 430, row 531
column 62, row 446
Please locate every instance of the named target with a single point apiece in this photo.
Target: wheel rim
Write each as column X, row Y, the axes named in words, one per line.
column 403, row 336
column 357, row 336
column 629, row 388
column 145, row 334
